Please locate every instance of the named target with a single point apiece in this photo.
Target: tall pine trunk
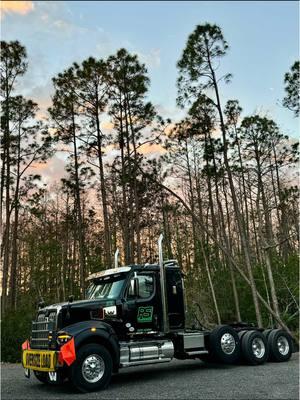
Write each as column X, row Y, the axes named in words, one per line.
column 80, row 228
column 240, row 223
column 14, row 256
column 107, row 238
column 6, row 233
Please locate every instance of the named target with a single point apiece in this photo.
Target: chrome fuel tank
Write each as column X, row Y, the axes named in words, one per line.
column 144, row 352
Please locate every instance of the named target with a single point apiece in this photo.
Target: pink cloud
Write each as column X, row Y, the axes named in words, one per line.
column 152, row 149
column 50, row 171
column 18, row 7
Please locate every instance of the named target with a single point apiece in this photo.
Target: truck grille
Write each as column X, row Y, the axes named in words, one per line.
column 41, row 328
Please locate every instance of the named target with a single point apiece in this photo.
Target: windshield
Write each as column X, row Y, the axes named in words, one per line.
column 108, row 287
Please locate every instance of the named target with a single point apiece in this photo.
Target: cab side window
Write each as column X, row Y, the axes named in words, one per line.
column 146, row 287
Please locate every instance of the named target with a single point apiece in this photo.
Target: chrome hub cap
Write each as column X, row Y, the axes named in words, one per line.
column 93, row 368
column 227, row 343
column 258, row 347
column 283, row 345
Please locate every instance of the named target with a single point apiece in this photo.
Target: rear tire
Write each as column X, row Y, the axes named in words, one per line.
column 241, row 334
column 280, row 345
column 92, row 369
column 254, row 348
column 224, row 345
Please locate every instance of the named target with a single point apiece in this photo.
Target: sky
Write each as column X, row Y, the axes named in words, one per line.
column 263, row 37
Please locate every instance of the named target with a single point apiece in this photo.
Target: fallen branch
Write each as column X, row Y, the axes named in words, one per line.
column 223, row 249
column 277, row 244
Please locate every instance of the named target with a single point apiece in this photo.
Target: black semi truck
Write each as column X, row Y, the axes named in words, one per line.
column 135, row 315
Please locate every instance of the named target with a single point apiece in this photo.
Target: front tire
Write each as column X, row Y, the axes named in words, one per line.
column 92, row 369
column 224, row 344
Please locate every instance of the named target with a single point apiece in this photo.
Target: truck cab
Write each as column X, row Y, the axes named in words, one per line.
column 133, row 315
column 129, row 299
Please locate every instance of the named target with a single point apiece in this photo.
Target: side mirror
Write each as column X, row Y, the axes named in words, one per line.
column 134, row 287
column 41, row 304
column 71, row 298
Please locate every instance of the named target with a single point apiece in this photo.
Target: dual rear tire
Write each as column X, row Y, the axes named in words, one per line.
column 252, row 346
column 280, row 345
column 269, row 345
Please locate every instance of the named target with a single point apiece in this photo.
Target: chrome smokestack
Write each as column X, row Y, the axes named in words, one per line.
column 116, row 258
column 165, row 327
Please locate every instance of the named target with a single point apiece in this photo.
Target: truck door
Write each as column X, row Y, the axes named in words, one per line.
column 142, row 309
column 175, row 299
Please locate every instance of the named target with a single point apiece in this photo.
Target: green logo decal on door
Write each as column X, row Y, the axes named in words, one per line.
column 145, row 314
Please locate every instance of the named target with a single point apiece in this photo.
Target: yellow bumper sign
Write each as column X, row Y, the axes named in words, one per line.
column 39, row 360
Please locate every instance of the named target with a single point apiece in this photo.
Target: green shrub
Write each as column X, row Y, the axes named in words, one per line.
column 16, row 326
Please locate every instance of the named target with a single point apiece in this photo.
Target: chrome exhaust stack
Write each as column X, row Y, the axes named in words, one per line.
column 116, row 258
column 163, row 286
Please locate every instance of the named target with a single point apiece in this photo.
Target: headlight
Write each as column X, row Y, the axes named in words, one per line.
column 63, row 338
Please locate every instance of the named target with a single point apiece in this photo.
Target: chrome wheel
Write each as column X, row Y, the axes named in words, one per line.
column 227, row 343
column 93, row 368
column 258, row 347
column 283, row 345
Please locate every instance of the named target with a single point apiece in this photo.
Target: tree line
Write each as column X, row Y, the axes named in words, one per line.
column 222, row 187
